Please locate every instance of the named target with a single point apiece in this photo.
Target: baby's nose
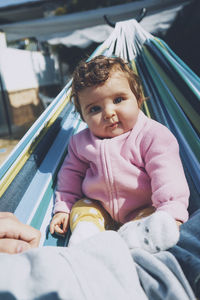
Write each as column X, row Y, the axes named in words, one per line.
column 109, row 113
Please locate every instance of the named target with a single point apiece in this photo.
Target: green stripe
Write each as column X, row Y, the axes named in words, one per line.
column 170, row 60
column 191, row 113
column 171, row 106
column 41, row 210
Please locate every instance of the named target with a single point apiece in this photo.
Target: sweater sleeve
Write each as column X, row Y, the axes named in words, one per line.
column 70, row 178
column 170, row 190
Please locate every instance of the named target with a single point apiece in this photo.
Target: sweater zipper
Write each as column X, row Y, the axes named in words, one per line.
column 108, row 174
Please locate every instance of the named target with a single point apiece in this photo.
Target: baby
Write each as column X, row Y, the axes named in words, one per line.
column 124, row 170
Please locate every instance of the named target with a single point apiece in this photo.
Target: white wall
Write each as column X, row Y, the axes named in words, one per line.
column 22, row 69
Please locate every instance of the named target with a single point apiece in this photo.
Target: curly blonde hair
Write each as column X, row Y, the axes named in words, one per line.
column 97, row 71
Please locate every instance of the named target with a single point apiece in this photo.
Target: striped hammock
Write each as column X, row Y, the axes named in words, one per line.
column 28, row 176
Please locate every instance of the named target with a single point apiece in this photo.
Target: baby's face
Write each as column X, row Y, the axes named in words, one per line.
column 110, row 109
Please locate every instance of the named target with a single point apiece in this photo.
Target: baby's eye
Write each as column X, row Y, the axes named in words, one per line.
column 118, row 100
column 95, row 109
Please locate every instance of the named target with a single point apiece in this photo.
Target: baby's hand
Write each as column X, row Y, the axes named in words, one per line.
column 59, row 223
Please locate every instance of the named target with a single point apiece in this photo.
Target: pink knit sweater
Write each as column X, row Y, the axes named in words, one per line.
column 125, row 173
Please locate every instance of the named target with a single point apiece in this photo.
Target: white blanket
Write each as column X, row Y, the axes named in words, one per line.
column 99, row 268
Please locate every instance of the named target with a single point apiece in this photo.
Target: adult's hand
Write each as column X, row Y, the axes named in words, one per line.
column 16, row 237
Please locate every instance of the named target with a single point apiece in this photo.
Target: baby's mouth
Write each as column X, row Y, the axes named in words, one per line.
column 114, row 125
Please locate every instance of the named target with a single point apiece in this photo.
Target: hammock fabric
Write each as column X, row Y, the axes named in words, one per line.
column 28, row 177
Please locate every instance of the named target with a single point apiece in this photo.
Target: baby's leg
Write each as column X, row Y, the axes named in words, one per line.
column 153, row 233
column 87, row 218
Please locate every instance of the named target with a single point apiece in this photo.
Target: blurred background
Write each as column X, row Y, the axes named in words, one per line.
column 41, row 41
